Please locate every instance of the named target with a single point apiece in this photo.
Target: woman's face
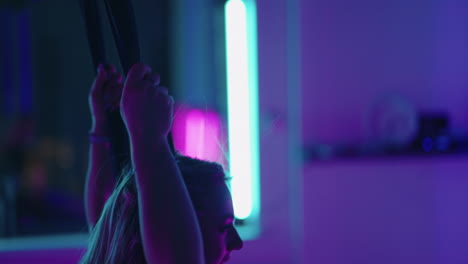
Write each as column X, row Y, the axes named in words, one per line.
column 220, row 237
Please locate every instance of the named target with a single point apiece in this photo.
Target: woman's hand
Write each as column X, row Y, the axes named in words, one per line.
column 147, row 108
column 104, row 97
column 105, row 94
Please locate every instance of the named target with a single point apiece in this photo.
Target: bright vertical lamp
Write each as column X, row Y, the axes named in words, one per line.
column 242, row 104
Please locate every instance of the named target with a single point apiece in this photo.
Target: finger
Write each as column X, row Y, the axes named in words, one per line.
column 115, row 91
column 171, row 108
column 110, row 68
column 113, row 102
column 158, row 91
column 137, row 73
column 115, row 78
column 154, row 78
column 100, row 79
column 117, row 95
column 163, row 90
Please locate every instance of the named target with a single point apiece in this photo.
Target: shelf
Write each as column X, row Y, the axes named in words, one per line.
column 423, row 148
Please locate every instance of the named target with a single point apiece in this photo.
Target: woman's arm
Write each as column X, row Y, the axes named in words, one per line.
column 104, row 96
column 100, row 180
column 169, row 226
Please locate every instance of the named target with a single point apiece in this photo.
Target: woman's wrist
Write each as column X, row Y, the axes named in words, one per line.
column 99, row 133
column 99, row 127
column 144, row 154
column 148, row 143
column 99, row 139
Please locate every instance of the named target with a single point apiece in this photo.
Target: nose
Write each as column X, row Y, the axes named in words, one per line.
column 235, row 241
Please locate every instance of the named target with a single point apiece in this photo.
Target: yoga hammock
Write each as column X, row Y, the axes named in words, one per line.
column 122, row 20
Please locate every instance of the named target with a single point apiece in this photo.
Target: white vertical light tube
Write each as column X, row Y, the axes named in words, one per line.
column 242, row 97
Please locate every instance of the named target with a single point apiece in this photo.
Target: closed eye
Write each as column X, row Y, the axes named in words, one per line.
column 229, row 222
column 227, row 227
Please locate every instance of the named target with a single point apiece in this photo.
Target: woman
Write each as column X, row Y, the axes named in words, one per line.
column 165, row 208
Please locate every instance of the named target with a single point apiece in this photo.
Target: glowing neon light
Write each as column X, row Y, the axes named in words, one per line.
column 198, row 134
column 194, row 134
column 242, row 97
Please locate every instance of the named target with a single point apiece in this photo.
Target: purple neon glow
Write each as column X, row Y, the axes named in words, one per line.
column 194, row 134
column 199, row 134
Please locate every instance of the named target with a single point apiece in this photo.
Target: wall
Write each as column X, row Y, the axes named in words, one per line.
column 356, row 51
column 394, row 210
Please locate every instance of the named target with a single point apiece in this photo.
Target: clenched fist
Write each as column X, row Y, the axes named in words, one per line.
column 146, row 108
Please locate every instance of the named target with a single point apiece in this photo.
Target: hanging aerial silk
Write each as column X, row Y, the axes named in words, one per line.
column 122, row 20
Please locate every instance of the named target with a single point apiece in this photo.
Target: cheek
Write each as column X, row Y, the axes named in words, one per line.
column 214, row 250
column 214, row 244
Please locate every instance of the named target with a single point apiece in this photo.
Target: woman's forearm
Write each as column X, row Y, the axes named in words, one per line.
column 100, row 180
column 168, row 222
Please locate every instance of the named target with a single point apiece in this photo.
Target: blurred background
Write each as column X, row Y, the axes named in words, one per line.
column 363, row 124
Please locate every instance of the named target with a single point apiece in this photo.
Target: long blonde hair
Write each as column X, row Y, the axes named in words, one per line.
column 115, row 239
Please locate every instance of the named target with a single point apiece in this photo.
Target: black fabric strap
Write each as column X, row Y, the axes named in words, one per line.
column 122, row 20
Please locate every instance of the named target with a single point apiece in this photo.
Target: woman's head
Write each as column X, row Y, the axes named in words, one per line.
column 116, row 237
column 206, row 183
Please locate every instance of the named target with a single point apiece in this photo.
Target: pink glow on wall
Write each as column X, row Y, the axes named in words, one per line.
column 199, row 134
column 195, row 134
